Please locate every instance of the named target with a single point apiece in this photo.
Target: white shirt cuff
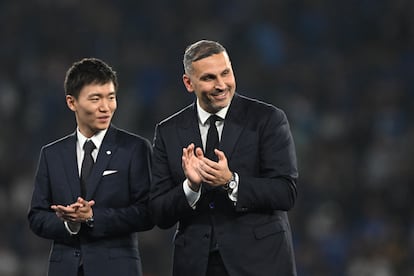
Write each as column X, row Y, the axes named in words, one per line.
column 72, row 227
column 233, row 194
column 192, row 197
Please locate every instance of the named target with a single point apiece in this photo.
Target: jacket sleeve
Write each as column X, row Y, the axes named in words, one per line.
column 271, row 185
column 42, row 220
column 167, row 200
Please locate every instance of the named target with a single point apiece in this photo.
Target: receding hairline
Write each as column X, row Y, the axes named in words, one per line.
column 199, row 50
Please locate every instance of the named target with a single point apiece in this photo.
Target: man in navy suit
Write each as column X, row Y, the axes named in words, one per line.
column 93, row 228
column 231, row 208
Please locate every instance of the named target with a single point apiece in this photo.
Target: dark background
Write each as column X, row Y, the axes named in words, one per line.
column 341, row 70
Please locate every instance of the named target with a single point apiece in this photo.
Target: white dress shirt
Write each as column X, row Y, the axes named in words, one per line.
column 204, row 125
column 74, row 227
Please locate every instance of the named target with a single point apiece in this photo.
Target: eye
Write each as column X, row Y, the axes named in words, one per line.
column 207, row 78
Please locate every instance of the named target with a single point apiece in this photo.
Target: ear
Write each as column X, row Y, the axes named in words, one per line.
column 70, row 101
column 187, row 83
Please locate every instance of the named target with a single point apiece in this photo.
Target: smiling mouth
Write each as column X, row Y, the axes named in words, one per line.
column 103, row 118
column 220, row 94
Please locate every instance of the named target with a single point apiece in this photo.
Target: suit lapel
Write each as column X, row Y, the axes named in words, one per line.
column 188, row 129
column 106, row 151
column 233, row 126
column 70, row 164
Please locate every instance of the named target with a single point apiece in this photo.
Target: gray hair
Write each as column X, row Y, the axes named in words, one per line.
column 199, row 50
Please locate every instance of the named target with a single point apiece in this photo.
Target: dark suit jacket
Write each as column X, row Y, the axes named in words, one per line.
column 254, row 236
column 119, row 184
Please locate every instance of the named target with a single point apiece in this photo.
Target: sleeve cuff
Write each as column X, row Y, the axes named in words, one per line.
column 192, row 197
column 72, row 227
column 233, row 193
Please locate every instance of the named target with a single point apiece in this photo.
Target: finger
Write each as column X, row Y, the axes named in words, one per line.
column 76, row 205
column 208, row 162
column 189, row 151
column 185, row 161
column 91, row 202
column 87, row 207
column 221, row 156
column 207, row 172
column 199, row 153
column 185, row 151
column 63, row 209
column 189, row 148
column 82, row 201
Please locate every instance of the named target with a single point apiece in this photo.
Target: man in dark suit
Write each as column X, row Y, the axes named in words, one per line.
column 231, row 207
column 92, row 202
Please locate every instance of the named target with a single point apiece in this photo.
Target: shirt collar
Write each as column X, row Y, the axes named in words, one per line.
column 204, row 115
column 96, row 139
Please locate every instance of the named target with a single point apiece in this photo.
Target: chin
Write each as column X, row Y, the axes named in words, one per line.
column 102, row 127
column 221, row 104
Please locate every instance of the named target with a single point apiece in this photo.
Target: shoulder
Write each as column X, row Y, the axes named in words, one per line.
column 126, row 137
column 253, row 106
column 180, row 117
column 66, row 140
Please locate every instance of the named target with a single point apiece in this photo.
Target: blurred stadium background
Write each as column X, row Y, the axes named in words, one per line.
column 342, row 70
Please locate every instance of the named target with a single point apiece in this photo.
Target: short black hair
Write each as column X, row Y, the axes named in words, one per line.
column 199, row 50
column 88, row 71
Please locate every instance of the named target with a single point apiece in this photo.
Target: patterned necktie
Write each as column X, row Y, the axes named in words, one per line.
column 87, row 165
column 212, row 138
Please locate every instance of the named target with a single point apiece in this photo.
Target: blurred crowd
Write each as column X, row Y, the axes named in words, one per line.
column 343, row 71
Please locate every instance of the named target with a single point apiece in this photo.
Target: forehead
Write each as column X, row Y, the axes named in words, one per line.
column 213, row 64
column 97, row 88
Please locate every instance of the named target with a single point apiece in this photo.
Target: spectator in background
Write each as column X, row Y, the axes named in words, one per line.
column 92, row 214
column 230, row 199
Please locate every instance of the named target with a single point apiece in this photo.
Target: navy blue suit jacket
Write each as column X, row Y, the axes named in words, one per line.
column 253, row 236
column 119, row 184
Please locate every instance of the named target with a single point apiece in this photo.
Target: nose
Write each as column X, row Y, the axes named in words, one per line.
column 104, row 106
column 220, row 84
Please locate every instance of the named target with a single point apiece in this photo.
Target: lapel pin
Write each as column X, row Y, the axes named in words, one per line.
column 108, row 152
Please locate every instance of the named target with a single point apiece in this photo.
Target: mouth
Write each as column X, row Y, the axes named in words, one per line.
column 219, row 95
column 104, row 118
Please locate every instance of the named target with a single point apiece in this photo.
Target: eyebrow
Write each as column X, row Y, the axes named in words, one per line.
column 207, row 75
column 93, row 94
column 214, row 75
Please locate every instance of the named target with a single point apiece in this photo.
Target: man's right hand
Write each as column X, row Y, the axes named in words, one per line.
column 190, row 163
column 78, row 211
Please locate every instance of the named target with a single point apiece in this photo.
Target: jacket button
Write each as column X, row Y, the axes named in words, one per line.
column 211, row 205
column 76, row 253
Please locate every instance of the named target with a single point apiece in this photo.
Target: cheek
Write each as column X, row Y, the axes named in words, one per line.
column 86, row 111
column 112, row 108
column 206, row 88
column 231, row 82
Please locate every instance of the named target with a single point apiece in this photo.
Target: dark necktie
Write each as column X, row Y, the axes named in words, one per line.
column 87, row 165
column 212, row 138
column 211, row 144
